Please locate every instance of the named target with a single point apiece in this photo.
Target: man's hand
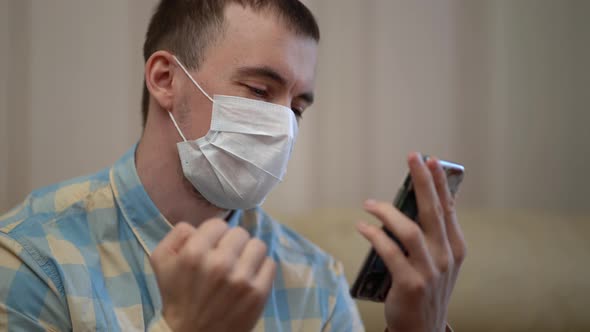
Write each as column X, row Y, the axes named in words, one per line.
column 212, row 278
column 423, row 280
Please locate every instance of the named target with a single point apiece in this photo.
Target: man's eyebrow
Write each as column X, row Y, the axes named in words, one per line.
column 269, row 73
column 263, row 72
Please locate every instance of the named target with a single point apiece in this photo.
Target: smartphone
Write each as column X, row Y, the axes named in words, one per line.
column 373, row 280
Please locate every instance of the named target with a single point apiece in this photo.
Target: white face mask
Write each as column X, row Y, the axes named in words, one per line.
column 244, row 154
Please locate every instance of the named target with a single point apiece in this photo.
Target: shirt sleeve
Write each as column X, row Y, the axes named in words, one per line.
column 28, row 299
column 344, row 316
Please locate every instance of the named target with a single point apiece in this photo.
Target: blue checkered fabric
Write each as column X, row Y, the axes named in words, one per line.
column 75, row 257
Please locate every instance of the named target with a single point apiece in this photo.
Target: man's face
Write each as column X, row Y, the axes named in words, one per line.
column 257, row 57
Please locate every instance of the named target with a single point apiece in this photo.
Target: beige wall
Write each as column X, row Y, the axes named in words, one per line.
column 540, row 102
column 70, row 96
column 15, row 111
column 3, row 97
column 499, row 85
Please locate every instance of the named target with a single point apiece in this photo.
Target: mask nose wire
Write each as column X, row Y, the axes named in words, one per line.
column 197, row 85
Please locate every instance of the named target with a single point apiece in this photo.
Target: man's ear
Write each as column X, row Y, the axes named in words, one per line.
column 159, row 73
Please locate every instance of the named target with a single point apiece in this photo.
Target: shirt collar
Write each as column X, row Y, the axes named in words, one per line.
column 139, row 211
column 142, row 215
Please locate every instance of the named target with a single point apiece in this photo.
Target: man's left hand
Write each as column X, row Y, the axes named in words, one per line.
column 424, row 279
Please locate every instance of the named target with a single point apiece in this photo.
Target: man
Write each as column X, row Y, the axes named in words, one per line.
column 171, row 238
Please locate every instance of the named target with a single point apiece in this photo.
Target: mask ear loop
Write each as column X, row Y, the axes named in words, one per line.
column 176, row 125
column 191, row 78
column 196, row 84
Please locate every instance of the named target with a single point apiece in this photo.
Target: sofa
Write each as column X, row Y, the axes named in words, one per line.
column 525, row 270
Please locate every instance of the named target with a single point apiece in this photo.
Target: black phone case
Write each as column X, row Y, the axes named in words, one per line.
column 374, row 280
column 375, row 283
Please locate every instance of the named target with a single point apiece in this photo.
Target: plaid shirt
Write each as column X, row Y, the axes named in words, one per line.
column 75, row 256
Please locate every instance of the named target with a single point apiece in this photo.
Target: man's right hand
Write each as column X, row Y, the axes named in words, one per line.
column 212, row 278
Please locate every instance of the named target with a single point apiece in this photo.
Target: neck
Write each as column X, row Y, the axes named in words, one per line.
column 159, row 169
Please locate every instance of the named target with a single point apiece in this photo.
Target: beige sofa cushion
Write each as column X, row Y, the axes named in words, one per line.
column 525, row 271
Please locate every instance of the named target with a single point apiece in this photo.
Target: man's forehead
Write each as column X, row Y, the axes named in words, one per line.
column 262, row 38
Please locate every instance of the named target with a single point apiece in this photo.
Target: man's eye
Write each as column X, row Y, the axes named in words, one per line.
column 261, row 93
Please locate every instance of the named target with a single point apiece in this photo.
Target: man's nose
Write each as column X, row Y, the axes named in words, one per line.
column 285, row 100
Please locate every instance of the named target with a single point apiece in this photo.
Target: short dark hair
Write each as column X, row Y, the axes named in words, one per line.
column 187, row 27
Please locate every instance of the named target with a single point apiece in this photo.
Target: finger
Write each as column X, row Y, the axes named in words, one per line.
column 453, row 229
column 265, row 277
column 406, row 230
column 390, row 253
column 203, row 239
column 252, row 258
column 211, row 231
column 234, row 241
column 442, row 188
column 429, row 208
column 173, row 241
column 257, row 296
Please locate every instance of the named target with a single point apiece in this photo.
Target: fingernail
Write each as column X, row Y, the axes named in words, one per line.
column 433, row 162
column 370, row 203
column 361, row 226
column 437, row 163
column 415, row 158
column 420, row 158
